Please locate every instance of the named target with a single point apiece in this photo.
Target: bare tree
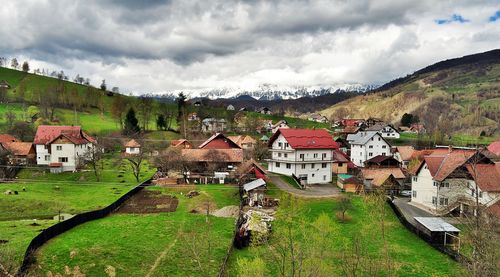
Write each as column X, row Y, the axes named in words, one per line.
column 344, row 204
column 136, row 160
column 93, row 157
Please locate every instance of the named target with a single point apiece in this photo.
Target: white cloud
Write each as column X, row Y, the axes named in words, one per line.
column 170, row 45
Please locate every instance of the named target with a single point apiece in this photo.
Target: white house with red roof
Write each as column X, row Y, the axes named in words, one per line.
column 61, row 147
column 445, row 181
column 306, row 153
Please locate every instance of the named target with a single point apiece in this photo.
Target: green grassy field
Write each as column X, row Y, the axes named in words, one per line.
column 48, row 194
column 457, row 140
column 410, row 256
column 157, row 244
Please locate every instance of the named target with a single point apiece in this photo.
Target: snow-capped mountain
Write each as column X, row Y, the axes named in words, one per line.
column 269, row 91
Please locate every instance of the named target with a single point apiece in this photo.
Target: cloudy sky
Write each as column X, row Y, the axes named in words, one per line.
column 154, row 45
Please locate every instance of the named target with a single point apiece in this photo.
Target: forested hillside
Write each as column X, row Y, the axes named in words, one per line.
column 455, row 96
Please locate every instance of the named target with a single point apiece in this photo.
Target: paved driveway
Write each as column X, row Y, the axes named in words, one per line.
column 410, row 211
column 314, row 191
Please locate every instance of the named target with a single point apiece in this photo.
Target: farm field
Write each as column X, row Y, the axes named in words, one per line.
column 152, row 244
column 328, row 251
column 46, row 195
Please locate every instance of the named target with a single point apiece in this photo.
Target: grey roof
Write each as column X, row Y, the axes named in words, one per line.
column 361, row 137
column 436, row 224
column 254, row 184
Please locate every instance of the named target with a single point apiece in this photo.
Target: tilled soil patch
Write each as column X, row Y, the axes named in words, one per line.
column 146, row 202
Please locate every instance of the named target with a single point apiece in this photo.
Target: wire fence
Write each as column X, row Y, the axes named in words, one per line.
column 61, row 227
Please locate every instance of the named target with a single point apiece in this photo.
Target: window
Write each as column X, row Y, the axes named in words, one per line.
column 383, row 154
column 370, row 154
column 63, row 159
column 434, row 200
column 312, row 175
column 324, row 177
column 361, row 153
column 279, row 155
column 288, row 166
column 370, row 146
column 480, row 194
column 47, row 157
column 315, row 155
column 286, row 155
column 444, row 185
column 378, row 139
column 323, row 155
column 301, row 156
column 435, row 184
column 280, row 145
column 312, row 166
column 341, row 164
column 303, row 166
column 323, row 165
column 277, row 164
column 443, row 201
column 287, row 145
column 415, row 178
column 414, row 194
column 384, row 146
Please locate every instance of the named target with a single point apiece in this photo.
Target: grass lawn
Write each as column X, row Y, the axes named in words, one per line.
column 457, row 140
column 289, row 180
column 411, row 256
column 46, row 194
column 138, row 244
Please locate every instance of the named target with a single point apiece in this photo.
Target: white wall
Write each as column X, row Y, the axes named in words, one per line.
column 41, row 152
column 372, row 148
column 389, row 132
column 71, row 151
column 132, row 150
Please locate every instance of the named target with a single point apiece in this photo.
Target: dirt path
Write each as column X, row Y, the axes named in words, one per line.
column 161, row 257
column 315, row 191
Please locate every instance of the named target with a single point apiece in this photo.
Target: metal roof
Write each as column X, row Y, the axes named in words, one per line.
column 436, row 224
column 254, row 184
column 361, row 137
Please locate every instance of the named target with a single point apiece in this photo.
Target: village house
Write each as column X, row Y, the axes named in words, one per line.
column 366, row 145
column 404, row 154
column 211, row 125
column 445, row 181
column 62, row 148
column 371, row 121
column 264, row 110
column 340, row 163
column 252, row 170
column 193, row 117
column 387, row 131
column 254, row 192
column 230, row 107
column 418, row 128
column 389, row 179
column 318, row 118
column 304, row 153
column 349, row 183
column 132, row 147
column 20, row 153
column 181, row 143
column 281, row 124
column 244, row 141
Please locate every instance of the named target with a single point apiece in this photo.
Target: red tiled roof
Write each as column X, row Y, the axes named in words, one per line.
column 380, row 158
column 486, row 176
column 179, row 142
column 18, row 148
column 494, row 209
column 7, row 138
column 451, row 162
column 45, row 134
column 306, row 138
column 406, row 152
column 218, row 141
column 494, row 148
column 213, row 155
column 338, row 156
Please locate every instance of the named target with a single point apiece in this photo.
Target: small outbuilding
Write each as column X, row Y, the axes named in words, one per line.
column 132, row 147
column 437, row 230
column 254, row 192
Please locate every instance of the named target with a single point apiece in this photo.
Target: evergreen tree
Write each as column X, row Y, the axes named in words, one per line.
column 131, row 123
column 161, row 124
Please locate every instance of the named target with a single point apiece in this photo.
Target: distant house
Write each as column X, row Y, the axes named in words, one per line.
column 4, row 84
column 340, row 163
column 418, row 128
column 181, row 143
column 210, row 125
column 197, row 104
column 252, row 170
column 61, row 148
column 387, row 131
column 20, row 153
column 305, row 153
column 371, row 121
column 390, row 179
column 264, row 110
column 318, row 118
column 366, row 145
column 349, row 183
column 219, row 141
column 382, row 161
column 193, row 117
column 279, row 125
column 264, row 139
column 230, row 107
column 244, row 141
column 404, row 154
column 132, row 147
column 445, row 182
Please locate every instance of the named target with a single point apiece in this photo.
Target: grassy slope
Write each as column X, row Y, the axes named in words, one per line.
column 132, row 243
column 456, row 95
column 412, row 256
column 76, row 193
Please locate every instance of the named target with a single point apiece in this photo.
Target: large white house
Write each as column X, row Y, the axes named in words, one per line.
column 445, row 182
column 305, row 153
column 61, row 147
column 366, row 145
